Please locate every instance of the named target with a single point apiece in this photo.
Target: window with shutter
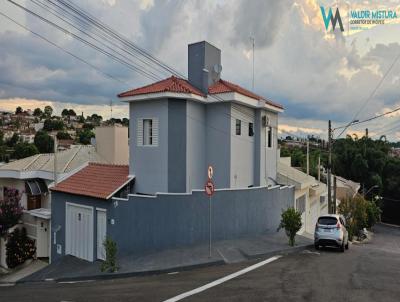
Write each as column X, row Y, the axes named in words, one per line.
column 147, row 132
column 139, row 131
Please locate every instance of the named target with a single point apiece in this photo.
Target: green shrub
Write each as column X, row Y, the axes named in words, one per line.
column 291, row 222
column 355, row 210
column 110, row 264
column 373, row 213
column 19, row 248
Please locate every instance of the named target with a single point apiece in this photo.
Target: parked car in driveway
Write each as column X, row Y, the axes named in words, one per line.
column 330, row 230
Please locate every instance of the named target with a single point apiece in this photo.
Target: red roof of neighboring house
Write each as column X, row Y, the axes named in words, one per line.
column 223, row 86
column 95, row 180
column 178, row 85
column 171, row 84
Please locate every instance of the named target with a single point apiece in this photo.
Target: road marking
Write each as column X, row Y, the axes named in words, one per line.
column 73, row 282
column 222, row 280
column 7, row 284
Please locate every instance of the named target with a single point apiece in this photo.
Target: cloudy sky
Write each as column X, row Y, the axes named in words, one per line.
column 316, row 74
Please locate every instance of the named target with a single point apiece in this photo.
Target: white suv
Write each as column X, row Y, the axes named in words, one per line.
column 330, row 230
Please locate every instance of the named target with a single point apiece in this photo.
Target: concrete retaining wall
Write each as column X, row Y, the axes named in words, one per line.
column 142, row 223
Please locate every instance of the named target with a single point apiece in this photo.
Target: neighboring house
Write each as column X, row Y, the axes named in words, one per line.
column 345, row 188
column 32, row 176
column 80, row 205
column 112, row 143
column 310, row 194
column 179, row 126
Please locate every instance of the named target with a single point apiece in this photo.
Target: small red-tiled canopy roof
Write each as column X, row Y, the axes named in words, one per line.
column 171, row 84
column 224, row 86
column 95, row 180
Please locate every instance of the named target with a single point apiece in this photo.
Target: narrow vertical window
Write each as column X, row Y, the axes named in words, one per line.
column 238, row 127
column 269, row 137
column 251, row 129
column 147, row 132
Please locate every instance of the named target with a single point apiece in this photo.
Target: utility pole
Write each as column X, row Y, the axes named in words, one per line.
column 319, row 168
column 334, row 194
column 329, row 167
column 308, row 157
column 253, row 40
column 111, row 103
column 55, row 160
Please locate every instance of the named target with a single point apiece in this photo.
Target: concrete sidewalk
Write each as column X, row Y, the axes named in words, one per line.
column 23, row 271
column 227, row 251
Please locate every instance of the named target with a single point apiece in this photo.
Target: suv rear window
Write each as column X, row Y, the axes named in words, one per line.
column 327, row 220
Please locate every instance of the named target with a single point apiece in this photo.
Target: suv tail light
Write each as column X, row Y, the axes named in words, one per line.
column 338, row 225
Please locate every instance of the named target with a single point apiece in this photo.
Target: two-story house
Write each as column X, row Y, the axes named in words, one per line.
column 178, row 127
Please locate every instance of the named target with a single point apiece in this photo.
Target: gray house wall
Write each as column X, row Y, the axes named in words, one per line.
column 218, row 142
column 272, row 153
column 149, row 163
column 177, row 145
column 196, row 146
column 242, row 147
column 143, row 224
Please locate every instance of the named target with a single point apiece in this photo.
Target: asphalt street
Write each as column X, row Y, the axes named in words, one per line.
column 366, row 272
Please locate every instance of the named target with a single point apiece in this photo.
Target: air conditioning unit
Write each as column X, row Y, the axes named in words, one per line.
column 265, row 121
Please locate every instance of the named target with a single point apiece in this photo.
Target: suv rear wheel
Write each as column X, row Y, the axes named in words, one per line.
column 342, row 248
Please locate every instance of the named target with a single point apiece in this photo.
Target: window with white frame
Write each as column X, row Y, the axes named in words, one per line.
column 269, row 137
column 147, row 132
column 238, row 127
column 301, row 204
column 251, row 129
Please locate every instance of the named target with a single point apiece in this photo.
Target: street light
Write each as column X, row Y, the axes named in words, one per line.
column 370, row 189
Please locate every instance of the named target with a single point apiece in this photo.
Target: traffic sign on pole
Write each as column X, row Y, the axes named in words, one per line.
column 209, row 188
column 210, row 172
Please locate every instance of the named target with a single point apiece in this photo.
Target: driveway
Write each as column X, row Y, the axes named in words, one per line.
column 367, row 272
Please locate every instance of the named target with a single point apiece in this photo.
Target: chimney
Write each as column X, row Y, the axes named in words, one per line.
column 204, row 66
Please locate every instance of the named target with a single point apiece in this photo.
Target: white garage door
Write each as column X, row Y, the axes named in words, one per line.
column 79, row 231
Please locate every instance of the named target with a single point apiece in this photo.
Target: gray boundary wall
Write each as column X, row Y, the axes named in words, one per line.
column 150, row 223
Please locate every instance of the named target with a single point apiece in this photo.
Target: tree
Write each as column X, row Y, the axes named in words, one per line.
column 18, row 110
column 48, row 111
column 63, row 135
column 44, row 142
column 50, row 125
column 125, row 122
column 88, row 126
column 37, row 112
column 25, row 149
column 71, row 112
column 1, row 138
column 291, row 222
column 65, row 112
column 85, row 136
column 81, row 119
column 355, row 211
column 13, row 140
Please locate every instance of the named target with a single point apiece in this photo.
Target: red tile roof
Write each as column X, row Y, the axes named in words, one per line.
column 171, row 84
column 95, row 180
column 178, row 85
column 223, row 86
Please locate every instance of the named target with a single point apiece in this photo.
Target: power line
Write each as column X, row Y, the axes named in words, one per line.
column 372, row 94
column 369, row 119
column 64, row 15
column 64, row 50
column 104, row 52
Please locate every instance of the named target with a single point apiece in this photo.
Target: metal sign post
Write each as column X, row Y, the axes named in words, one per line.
column 209, row 189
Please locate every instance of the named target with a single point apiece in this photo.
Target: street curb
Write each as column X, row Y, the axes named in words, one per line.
column 287, row 251
column 127, row 274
